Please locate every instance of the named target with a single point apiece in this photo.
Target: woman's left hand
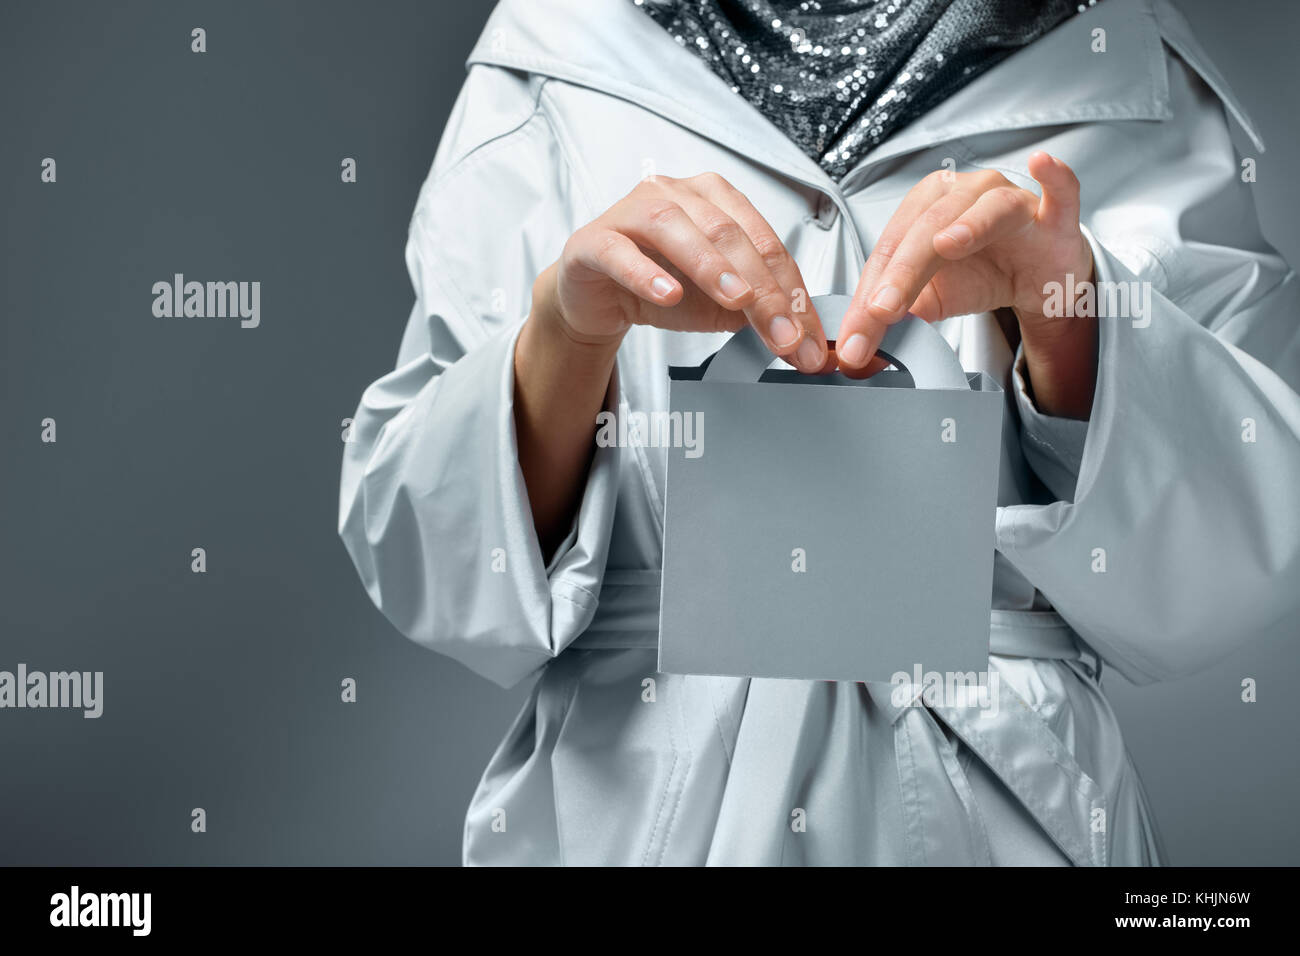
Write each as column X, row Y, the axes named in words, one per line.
column 963, row 243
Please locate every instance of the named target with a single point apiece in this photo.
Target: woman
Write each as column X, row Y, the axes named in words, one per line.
column 613, row 177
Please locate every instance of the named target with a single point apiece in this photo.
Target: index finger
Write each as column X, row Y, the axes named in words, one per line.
column 811, row 347
column 861, row 331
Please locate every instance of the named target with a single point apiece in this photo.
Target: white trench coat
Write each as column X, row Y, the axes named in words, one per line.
column 566, row 106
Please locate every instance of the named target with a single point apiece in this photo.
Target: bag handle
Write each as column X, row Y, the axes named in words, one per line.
column 912, row 344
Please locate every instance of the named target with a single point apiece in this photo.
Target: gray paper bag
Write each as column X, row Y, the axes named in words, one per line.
column 827, row 528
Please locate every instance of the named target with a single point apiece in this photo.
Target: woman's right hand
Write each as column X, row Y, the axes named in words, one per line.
column 680, row 254
column 690, row 255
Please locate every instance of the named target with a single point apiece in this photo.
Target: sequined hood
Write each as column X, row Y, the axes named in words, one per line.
column 839, row 77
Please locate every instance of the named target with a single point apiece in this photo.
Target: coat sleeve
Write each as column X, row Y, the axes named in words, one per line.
column 433, row 509
column 1181, row 537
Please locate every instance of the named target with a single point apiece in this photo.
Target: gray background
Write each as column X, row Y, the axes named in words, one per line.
column 222, row 690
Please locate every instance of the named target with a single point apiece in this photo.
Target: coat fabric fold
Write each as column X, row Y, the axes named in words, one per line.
column 1183, row 479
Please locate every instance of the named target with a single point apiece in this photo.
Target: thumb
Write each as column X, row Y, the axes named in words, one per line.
column 1058, row 210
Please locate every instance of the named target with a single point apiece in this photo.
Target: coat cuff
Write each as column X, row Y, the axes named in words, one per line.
column 1179, row 534
column 1053, row 447
column 570, row 582
column 437, row 518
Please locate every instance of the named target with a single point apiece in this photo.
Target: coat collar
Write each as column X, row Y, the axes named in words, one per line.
column 621, row 51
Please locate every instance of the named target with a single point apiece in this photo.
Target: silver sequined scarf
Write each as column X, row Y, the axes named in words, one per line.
column 840, row 76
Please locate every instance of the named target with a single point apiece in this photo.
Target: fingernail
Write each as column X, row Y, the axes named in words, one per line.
column 784, row 333
column 661, row 286
column 888, row 299
column 809, row 356
column 854, row 351
column 732, row 286
column 959, row 233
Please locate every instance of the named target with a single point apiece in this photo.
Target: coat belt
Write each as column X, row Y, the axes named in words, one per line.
column 628, row 617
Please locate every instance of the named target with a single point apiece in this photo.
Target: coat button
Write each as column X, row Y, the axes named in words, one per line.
column 826, row 211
